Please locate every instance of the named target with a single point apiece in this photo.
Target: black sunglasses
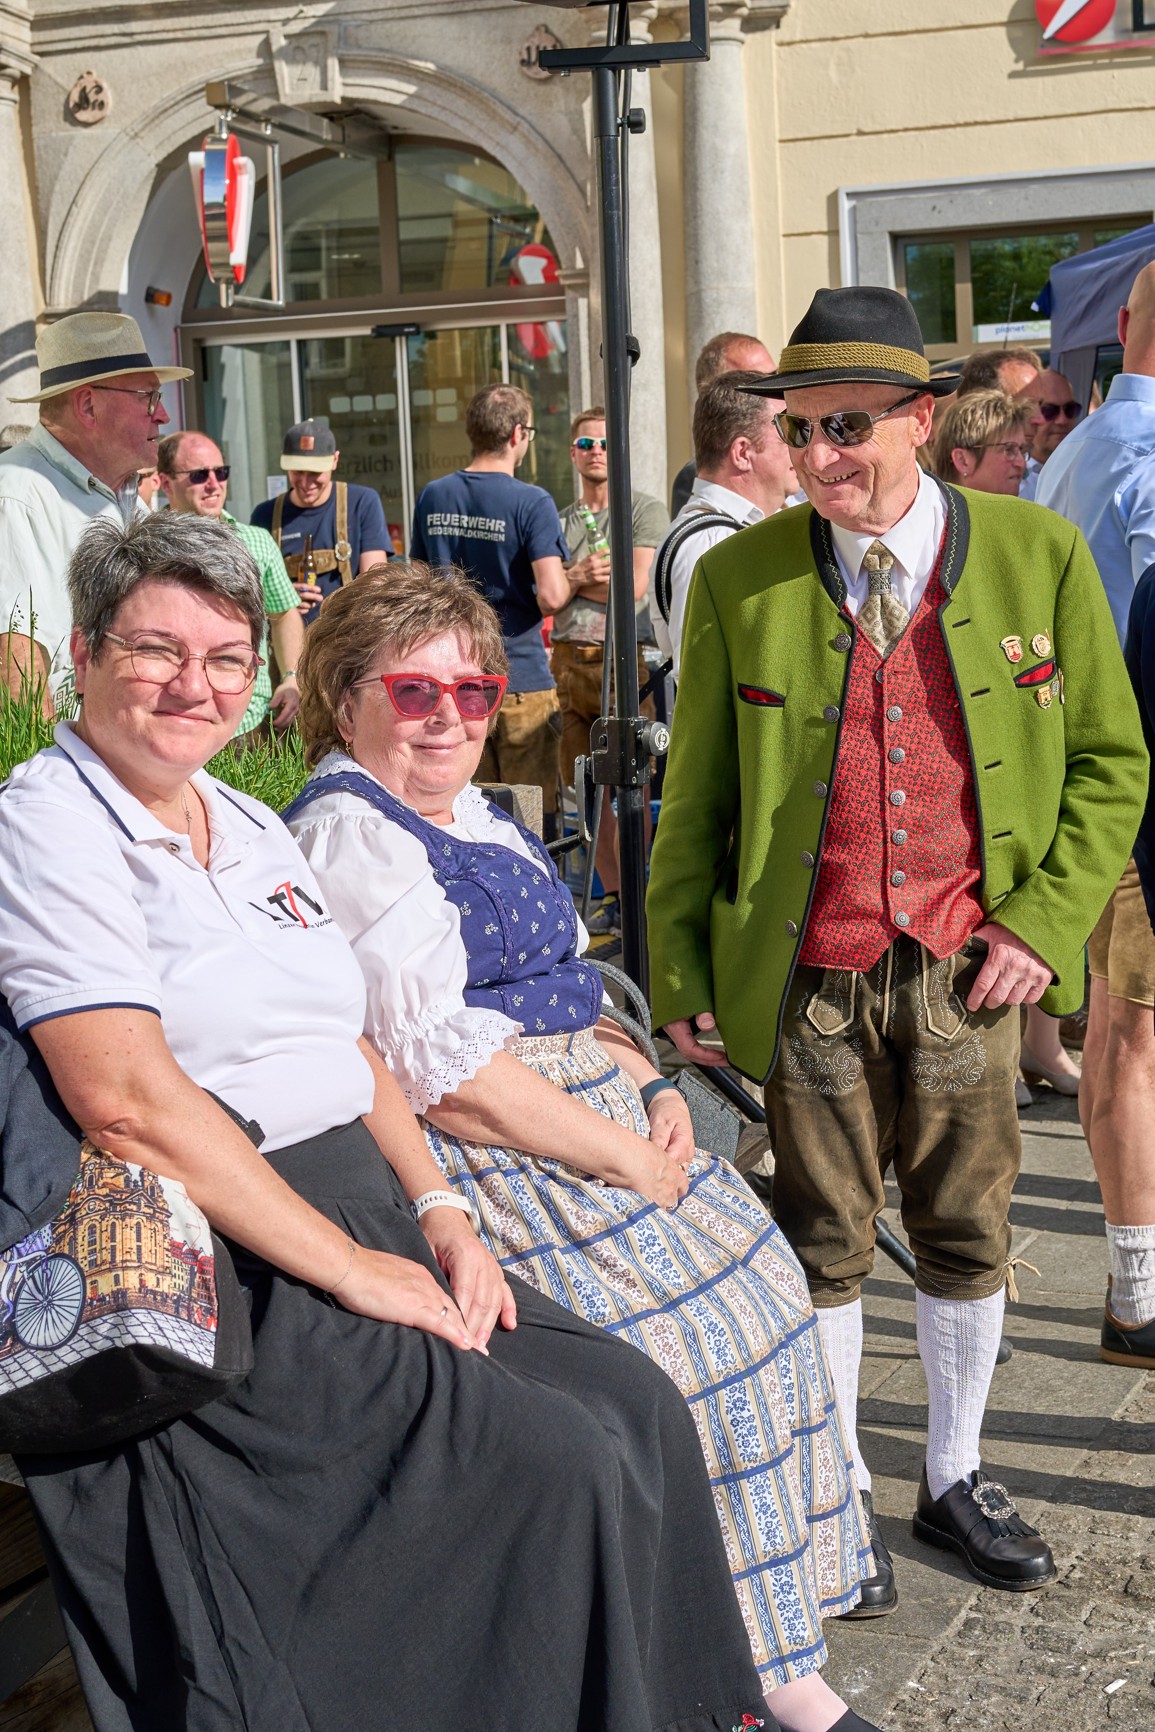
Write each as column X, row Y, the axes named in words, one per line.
column 586, row 444
column 844, row 427
column 1052, row 411
column 199, row 476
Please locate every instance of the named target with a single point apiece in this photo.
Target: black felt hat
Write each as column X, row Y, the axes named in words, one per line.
column 855, row 336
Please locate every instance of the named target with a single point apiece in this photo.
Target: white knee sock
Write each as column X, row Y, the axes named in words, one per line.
column 1132, row 1273
column 840, row 1331
column 958, row 1340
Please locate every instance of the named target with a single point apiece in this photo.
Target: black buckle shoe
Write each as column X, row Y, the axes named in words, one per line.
column 879, row 1593
column 977, row 1519
column 1127, row 1343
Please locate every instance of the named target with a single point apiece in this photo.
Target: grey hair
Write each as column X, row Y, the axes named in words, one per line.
column 164, row 547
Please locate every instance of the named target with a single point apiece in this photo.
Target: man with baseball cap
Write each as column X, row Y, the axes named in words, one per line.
column 907, row 769
column 345, row 523
column 100, row 418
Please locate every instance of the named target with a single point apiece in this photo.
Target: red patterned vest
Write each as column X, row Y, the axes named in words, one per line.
column 901, row 851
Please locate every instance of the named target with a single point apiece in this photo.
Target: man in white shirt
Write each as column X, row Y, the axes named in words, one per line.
column 1054, row 410
column 100, row 418
column 745, row 473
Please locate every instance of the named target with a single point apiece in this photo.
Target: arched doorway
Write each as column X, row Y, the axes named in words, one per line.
column 409, row 284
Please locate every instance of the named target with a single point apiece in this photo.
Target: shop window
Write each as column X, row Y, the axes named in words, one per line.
column 977, row 288
column 463, row 222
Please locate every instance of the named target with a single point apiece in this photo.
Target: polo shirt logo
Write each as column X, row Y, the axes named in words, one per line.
column 287, row 905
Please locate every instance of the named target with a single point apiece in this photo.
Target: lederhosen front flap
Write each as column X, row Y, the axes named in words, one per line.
column 339, row 558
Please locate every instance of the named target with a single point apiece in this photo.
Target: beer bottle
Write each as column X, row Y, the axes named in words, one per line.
column 308, row 564
column 596, row 539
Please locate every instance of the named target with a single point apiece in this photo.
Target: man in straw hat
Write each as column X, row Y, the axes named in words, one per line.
column 907, row 770
column 100, row 418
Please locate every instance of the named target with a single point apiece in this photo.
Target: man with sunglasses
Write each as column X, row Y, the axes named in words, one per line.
column 1055, row 410
column 578, row 638
column 195, row 478
column 906, row 770
column 101, row 416
column 1102, row 478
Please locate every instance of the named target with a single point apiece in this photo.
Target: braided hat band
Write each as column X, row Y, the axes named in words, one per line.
column 816, row 357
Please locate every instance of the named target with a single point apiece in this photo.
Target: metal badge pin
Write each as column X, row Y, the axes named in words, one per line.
column 1012, row 648
column 1057, row 688
column 1062, row 688
column 1041, row 644
column 1043, row 696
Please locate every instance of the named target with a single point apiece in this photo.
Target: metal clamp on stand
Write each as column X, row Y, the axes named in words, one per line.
column 621, row 749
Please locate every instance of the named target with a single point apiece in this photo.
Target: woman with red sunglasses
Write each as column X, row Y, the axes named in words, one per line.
column 573, row 1154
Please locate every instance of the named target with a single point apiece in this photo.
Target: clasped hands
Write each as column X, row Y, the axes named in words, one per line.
column 399, row 1290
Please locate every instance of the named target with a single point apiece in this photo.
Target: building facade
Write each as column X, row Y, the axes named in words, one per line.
column 949, row 149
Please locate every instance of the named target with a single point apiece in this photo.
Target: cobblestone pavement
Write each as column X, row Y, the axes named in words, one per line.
column 1074, row 1442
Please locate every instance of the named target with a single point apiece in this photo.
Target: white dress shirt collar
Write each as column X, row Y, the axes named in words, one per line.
column 720, row 498
column 914, row 541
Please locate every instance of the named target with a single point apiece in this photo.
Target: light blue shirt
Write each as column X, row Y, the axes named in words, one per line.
column 1102, row 479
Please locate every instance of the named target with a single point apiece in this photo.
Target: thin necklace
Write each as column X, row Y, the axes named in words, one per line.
column 185, row 810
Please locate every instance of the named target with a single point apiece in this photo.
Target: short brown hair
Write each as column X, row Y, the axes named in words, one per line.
column 168, row 451
column 983, row 371
column 597, row 413
column 390, row 608
column 979, row 419
column 723, row 413
column 713, row 362
column 492, row 415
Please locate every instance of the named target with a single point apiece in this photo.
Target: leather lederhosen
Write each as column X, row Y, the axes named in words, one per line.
column 338, row 558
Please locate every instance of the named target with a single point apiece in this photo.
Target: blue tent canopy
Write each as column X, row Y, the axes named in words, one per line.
column 1082, row 300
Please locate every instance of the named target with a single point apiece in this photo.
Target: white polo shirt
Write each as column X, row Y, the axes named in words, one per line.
column 261, row 998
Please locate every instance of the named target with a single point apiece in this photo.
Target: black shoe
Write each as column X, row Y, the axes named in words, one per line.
column 879, row 1594
column 852, row 1722
column 1127, row 1343
column 977, row 1519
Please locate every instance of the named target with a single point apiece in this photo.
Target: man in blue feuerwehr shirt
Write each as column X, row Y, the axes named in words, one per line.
column 346, row 522
column 507, row 536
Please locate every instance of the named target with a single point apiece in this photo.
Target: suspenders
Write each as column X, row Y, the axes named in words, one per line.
column 338, row 558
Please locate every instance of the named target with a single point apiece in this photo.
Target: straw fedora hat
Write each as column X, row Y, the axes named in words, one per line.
column 87, row 348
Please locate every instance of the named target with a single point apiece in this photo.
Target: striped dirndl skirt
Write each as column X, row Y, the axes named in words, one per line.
column 712, row 1293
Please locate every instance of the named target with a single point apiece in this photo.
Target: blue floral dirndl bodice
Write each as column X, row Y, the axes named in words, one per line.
column 518, row 922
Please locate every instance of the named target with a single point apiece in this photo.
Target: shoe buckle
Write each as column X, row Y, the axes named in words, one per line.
column 994, row 1500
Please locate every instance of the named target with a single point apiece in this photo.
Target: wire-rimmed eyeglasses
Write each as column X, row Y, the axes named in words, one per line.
column 158, row 660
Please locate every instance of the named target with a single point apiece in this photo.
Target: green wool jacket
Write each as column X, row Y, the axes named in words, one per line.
column 1060, row 790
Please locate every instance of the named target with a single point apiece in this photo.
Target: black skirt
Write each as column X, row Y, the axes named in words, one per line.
column 376, row 1532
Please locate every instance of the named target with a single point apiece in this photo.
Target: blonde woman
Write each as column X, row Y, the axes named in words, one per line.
column 982, row 442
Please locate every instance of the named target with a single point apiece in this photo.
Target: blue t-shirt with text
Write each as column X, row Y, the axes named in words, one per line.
column 494, row 527
column 367, row 531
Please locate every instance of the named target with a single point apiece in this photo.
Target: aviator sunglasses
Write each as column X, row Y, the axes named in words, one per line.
column 844, row 427
column 477, row 696
column 1052, row 411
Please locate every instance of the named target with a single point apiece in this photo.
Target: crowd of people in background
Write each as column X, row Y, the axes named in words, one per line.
column 889, row 825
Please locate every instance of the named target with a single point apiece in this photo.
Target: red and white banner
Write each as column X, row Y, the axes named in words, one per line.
column 224, row 186
column 1083, row 26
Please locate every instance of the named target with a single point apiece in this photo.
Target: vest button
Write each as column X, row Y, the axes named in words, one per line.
column 902, row 920
column 880, row 675
column 831, row 713
column 898, row 879
column 896, row 755
column 898, row 798
column 820, row 790
column 791, row 929
column 894, row 714
column 843, row 642
column 898, row 837
column 807, row 858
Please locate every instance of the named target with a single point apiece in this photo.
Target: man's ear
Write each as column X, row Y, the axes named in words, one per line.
column 740, row 453
column 1124, row 321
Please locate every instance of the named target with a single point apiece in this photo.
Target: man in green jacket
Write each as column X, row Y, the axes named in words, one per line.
column 907, row 770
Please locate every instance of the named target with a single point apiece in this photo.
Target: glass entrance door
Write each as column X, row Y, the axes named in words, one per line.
column 249, row 400
column 351, row 382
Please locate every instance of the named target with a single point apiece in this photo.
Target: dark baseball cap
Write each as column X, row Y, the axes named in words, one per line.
column 309, row 445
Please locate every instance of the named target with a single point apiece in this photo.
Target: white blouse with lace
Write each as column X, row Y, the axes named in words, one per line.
column 406, row 933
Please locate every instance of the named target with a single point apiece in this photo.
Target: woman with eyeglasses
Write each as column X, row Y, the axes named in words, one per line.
column 438, row 1499
column 983, row 442
column 576, row 1156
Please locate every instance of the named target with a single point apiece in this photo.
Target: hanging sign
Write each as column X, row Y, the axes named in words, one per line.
column 1083, row 26
column 224, row 184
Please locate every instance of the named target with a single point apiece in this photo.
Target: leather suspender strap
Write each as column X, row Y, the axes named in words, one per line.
column 663, row 571
column 278, row 517
column 343, row 552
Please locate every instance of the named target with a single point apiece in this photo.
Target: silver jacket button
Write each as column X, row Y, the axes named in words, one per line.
column 898, row 798
column 902, row 920
column 898, row 879
column 831, row 713
column 820, row 790
column 791, row 929
column 896, row 755
column 843, row 641
column 894, row 714
column 807, row 858
column 898, row 837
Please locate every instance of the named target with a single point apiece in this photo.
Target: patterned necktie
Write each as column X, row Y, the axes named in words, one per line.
column 882, row 617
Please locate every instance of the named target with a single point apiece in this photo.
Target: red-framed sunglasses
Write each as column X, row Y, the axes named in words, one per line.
column 414, row 695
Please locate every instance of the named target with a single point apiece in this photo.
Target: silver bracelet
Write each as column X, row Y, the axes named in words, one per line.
column 345, row 1272
column 440, row 1200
